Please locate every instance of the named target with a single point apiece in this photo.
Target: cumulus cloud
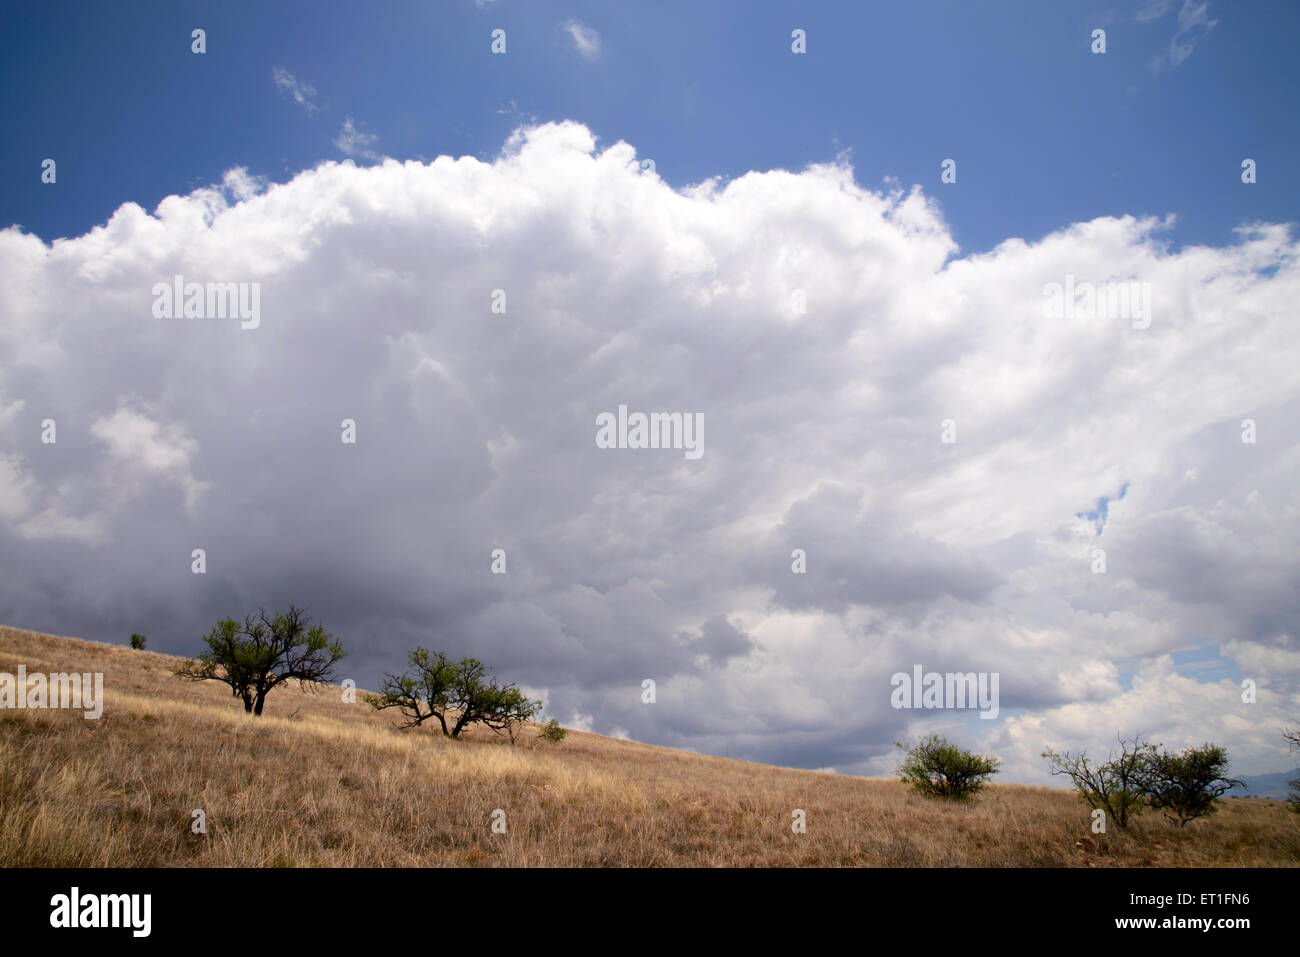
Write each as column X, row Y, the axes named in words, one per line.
column 825, row 331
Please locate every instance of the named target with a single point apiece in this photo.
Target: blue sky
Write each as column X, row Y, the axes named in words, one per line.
column 1044, row 131
column 1098, row 515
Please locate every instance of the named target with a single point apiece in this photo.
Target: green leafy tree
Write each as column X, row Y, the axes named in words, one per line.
column 1186, row 785
column 138, row 642
column 517, row 713
column 939, row 768
column 1115, row 786
column 458, row 694
column 264, row 651
column 551, row 731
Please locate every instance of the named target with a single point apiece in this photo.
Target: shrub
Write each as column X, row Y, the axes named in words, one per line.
column 551, row 731
column 138, row 642
column 939, row 768
column 1142, row 775
column 1186, row 785
column 1115, row 786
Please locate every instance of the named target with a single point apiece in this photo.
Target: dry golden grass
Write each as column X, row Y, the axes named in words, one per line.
column 315, row 781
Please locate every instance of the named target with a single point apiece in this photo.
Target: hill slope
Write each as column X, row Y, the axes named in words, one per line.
column 315, row 781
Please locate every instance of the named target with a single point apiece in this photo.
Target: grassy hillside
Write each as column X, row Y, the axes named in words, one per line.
column 316, row 781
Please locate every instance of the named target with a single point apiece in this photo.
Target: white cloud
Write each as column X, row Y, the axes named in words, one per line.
column 476, row 431
column 15, row 488
column 141, row 443
column 1165, row 707
column 133, row 437
column 241, row 184
column 1193, row 23
column 1265, row 663
column 1153, row 10
column 355, row 143
column 297, row 90
column 585, row 40
column 53, row 525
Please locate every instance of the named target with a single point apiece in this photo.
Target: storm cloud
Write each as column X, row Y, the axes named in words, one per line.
column 472, row 319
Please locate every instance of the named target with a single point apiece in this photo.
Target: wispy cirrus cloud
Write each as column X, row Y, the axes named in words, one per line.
column 356, row 143
column 585, row 40
column 300, row 91
column 1153, row 10
column 1193, row 23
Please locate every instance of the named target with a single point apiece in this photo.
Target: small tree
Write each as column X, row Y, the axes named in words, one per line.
column 1292, row 738
column 462, row 693
column 518, row 713
column 263, row 652
column 939, row 768
column 138, row 642
column 1115, row 786
column 551, row 731
column 1186, row 785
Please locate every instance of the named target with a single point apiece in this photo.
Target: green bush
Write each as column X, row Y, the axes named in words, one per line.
column 1186, row 785
column 939, row 768
column 138, row 642
column 551, row 731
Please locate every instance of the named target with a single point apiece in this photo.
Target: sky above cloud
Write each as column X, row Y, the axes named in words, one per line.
column 824, row 319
